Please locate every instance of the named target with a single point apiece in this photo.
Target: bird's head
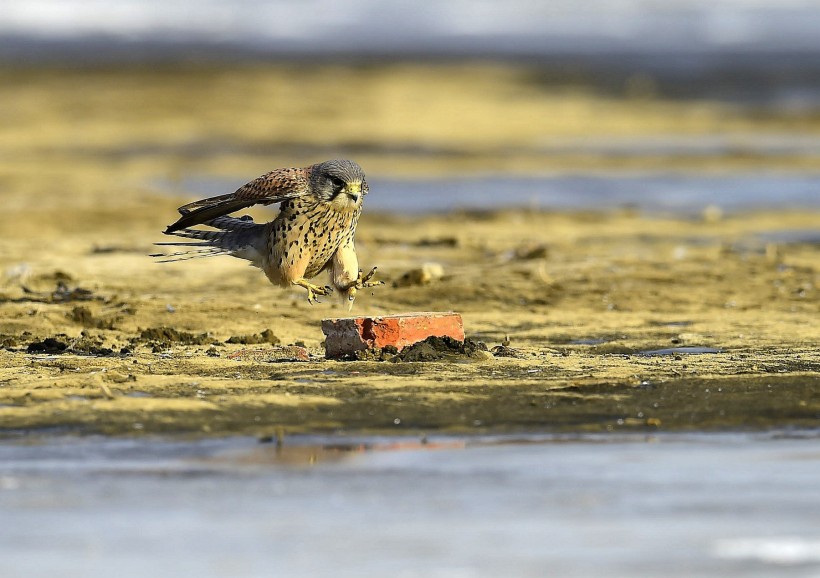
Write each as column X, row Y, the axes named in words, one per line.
column 340, row 183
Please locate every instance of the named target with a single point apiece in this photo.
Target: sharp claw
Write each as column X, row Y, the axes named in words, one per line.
column 361, row 282
column 367, row 277
column 314, row 291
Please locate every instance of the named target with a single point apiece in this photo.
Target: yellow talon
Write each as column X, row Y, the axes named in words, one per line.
column 361, row 282
column 313, row 290
column 366, row 282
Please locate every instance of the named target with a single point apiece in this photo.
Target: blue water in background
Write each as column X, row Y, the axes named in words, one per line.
column 677, row 193
column 452, row 27
column 741, row 50
column 653, row 192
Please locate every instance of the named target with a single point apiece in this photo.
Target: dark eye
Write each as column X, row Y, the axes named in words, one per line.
column 337, row 182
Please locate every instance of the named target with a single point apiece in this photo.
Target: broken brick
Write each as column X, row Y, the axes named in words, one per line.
column 347, row 335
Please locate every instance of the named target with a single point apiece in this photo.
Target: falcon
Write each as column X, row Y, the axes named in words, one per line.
column 319, row 207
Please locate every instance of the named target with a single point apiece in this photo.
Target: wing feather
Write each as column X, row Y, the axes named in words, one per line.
column 274, row 187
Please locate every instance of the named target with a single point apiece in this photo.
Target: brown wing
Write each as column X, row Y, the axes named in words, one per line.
column 273, row 187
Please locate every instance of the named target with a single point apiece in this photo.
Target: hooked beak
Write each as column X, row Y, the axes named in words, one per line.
column 354, row 191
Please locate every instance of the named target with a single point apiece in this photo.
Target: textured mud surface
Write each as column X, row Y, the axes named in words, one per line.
column 591, row 320
column 628, row 321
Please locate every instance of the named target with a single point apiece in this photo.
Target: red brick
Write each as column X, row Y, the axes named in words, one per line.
column 350, row 334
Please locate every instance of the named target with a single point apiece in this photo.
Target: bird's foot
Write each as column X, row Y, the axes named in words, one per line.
column 362, row 282
column 313, row 291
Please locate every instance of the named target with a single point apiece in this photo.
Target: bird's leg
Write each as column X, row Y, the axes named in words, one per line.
column 313, row 290
column 361, row 282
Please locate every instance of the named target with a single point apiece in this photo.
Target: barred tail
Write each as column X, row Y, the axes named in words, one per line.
column 239, row 237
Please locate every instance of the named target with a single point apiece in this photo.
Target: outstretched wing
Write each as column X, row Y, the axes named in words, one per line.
column 273, row 187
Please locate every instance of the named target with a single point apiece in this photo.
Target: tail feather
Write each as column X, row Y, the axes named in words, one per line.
column 240, row 237
column 196, row 234
column 186, row 255
column 233, row 223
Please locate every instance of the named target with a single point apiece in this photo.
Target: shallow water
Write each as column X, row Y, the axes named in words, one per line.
column 672, row 505
column 654, row 192
column 615, row 29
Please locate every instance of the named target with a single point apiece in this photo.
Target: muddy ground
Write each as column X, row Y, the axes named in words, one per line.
column 593, row 321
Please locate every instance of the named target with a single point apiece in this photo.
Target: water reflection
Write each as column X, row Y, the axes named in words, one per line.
column 674, row 505
column 282, row 453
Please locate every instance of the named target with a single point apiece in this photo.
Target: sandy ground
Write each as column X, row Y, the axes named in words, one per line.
column 98, row 337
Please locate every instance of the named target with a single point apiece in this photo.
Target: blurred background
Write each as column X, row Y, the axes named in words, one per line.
column 671, row 104
column 115, row 112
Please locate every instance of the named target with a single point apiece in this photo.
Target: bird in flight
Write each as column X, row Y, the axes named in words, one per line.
column 319, row 207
